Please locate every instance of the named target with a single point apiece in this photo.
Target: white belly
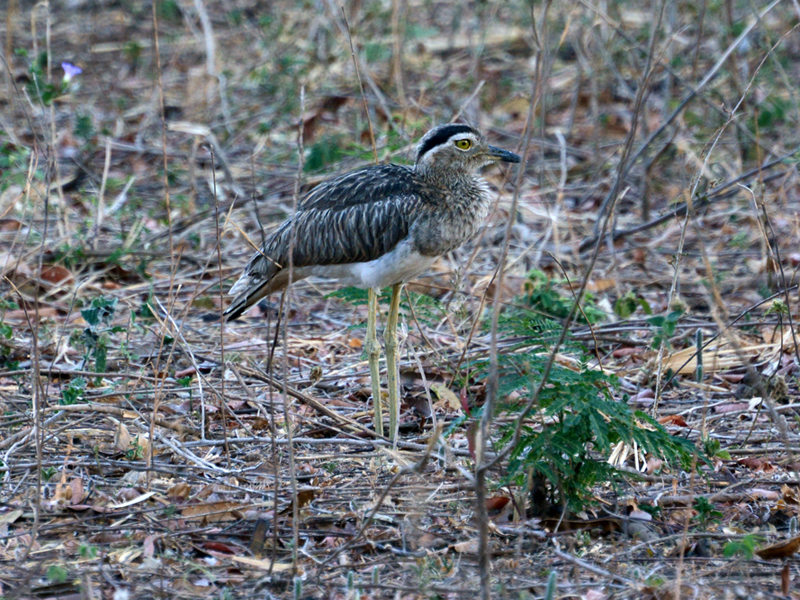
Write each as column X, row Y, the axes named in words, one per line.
column 401, row 264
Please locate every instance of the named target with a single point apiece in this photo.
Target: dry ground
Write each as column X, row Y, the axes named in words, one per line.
column 162, row 464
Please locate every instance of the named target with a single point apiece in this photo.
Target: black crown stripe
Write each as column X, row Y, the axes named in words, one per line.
column 443, row 135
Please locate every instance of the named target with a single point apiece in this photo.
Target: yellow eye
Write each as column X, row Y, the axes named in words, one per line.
column 464, row 144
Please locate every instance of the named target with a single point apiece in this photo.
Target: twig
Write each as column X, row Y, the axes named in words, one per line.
column 482, row 437
column 361, row 88
column 121, row 412
column 592, row 568
column 174, row 265
column 221, row 397
column 285, row 363
column 98, row 220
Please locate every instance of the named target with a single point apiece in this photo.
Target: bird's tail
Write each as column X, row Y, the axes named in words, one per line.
column 249, row 292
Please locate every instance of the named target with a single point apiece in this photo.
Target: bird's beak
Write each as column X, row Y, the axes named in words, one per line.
column 503, row 155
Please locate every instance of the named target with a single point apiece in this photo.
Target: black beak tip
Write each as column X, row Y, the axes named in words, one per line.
column 504, row 155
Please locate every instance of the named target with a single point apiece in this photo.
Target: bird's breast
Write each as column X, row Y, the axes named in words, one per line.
column 447, row 225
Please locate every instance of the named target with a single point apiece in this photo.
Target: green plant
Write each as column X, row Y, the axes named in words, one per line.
column 47, row 91
column 577, row 421
column 327, row 150
column 541, row 296
column 95, row 337
column 714, row 449
column 707, row 513
column 136, row 452
column 664, row 327
column 47, row 473
column 6, row 331
column 653, row 510
column 73, row 393
column 57, row 574
column 625, row 306
column 84, row 128
column 552, row 586
column 745, row 547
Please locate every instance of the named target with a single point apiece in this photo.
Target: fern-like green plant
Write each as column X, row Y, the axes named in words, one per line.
column 541, row 295
column 571, row 431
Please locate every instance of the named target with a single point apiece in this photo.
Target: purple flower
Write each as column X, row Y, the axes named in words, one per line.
column 70, row 71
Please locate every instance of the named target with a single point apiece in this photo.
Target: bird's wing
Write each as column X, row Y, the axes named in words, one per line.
column 362, row 186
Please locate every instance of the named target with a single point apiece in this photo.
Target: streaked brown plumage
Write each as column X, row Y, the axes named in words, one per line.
column 379, row 225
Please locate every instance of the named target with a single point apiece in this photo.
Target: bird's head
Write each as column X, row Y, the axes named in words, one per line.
column 457, row 148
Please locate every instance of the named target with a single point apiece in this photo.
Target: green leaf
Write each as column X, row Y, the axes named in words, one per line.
column 624, row 307
column 57, row 574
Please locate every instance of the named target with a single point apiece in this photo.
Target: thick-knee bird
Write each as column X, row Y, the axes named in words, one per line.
column 376, row 227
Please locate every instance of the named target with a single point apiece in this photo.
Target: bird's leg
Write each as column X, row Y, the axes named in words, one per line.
column 390, row 335
column 374, row 354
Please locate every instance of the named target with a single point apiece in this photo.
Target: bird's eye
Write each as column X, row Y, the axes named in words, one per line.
column 463, row 144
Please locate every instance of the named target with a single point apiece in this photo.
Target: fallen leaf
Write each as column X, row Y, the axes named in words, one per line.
column 10, row 517
column 137, row 500
column 122, row 438
column 149, row 546
column 213, row 512
column 764, row 494
column 600, row 285
column 790, row 495
column 496, row 504
column 676, row 420
column 76, row 485
column 468, row 547
column 751, row 463
column 179, row 491
column 783, row 549
column 11, row 266
column 56, row 274
column 10, row 224
column 447, row 398
column 732, row 407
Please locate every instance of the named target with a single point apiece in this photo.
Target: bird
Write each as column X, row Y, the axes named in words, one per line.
column 379, row 226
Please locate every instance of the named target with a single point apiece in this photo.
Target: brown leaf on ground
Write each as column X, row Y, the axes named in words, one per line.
column 303, row 498
column 676, row 420
column 122, row 438
column 179, row 492
column 496, row 504
column 56, row 274
column 214, row 512
column 467, row 547
column 783, row 549
column 448, row 400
